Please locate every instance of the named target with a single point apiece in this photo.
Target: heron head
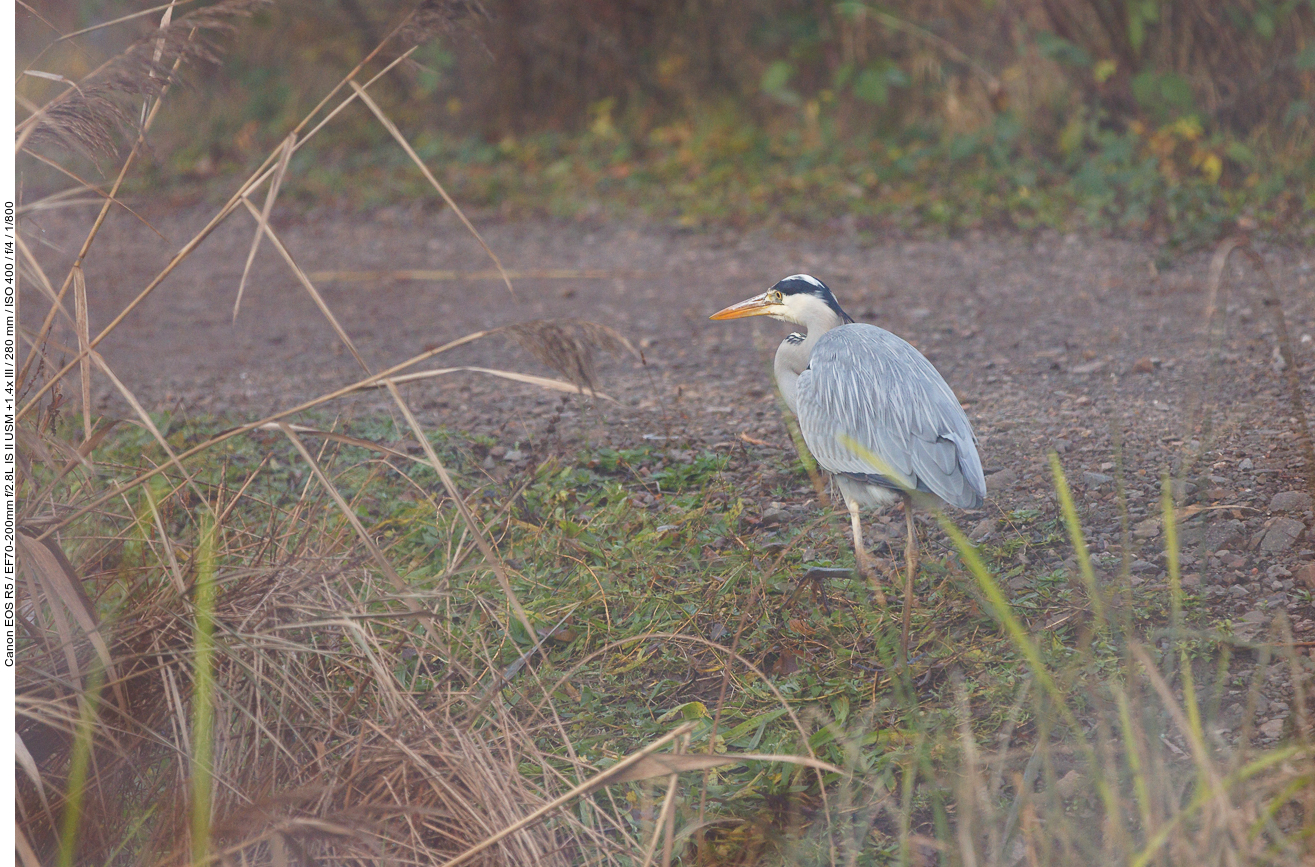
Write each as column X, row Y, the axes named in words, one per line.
column 799, row 299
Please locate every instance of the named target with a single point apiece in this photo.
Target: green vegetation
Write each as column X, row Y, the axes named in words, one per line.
column 308, row 638
column 656, row 598
column 1135, row 116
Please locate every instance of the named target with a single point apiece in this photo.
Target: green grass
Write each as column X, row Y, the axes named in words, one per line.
column 656, row 599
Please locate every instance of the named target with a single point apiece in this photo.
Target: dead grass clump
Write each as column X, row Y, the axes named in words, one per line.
column 568, row 345
column 317, row 749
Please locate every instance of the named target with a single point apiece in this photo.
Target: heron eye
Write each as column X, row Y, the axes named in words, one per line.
column 776, row 298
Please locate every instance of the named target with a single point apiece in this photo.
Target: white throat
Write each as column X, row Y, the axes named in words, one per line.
column 792, row 355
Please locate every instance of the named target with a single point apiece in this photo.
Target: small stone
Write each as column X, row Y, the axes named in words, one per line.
column 1143, row 365
column 982, row 529
column 774, row 517
column 1290, row 501
column 1281, row 535
column 1306, row 576
column 1095, row 480
column 1141, row 566
column 1070, row 784
column 1245, row 465
column 513, row 455
column 1272, row 729
column 1147, row 529
column 1221, row 534
column 1238, row 590
column 1255, row 616
column 1001, row 480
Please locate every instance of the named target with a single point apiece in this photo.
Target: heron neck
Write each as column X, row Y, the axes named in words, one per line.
column 793, row 354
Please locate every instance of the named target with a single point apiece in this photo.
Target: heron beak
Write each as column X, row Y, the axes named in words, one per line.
column 758, row 305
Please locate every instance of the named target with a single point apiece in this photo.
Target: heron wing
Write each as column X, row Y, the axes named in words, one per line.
column 868, row 394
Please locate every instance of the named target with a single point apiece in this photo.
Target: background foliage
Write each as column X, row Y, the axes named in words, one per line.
column 1178, row 117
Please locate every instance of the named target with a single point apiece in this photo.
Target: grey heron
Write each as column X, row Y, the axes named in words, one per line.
column 873, row 412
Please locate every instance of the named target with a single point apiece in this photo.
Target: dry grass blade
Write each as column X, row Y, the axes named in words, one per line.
column 84, row 339
column 429, row 176
column 86, row 245
column 122, row 19
column 344, row 439
column 262, row 221
column 379, row 557
column 530, row 379
column 603, row 778
column 442, row 276
column 681, row 763
column 23, row 758
column 568, row 345
column 261, row 173
column 149, row 424
column 368, row 382
column 55, row 574
column 1193, row 735
column 305, row 283
column 79, row 458
column 490, row 555
column 83, row 186
column 29, row 264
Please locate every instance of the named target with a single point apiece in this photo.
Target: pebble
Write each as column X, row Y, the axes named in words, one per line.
column 1221, row 534
column 1290, row 501
column 1281, row 535
column 1147, row 529
column 1001, row 480
column 1306, row 576
column 1095, row 480
column 982, row 529
column 773, row 517
column 1272, row 729
column 1238, row 590
column 1182, row 489
column 1245, row 465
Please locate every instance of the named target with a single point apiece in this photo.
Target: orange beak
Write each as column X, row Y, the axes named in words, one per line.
column 758, row 305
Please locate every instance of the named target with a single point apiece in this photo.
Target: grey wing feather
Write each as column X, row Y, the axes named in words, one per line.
column 868, row 386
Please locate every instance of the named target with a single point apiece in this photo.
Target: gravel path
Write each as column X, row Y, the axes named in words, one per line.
column 1074, row 344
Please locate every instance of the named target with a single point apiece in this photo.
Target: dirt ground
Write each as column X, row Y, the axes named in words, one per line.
column 1071, row 343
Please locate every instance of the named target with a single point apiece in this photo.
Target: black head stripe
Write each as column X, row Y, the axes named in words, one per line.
column 802, row 284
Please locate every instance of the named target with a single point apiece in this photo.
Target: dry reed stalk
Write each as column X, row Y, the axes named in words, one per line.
column 262, row 220
column 261, row 174
column 429, row 176
column 265, row 228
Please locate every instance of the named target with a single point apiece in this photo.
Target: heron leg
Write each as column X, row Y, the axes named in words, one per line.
column 861, row 555
column 910, row 569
